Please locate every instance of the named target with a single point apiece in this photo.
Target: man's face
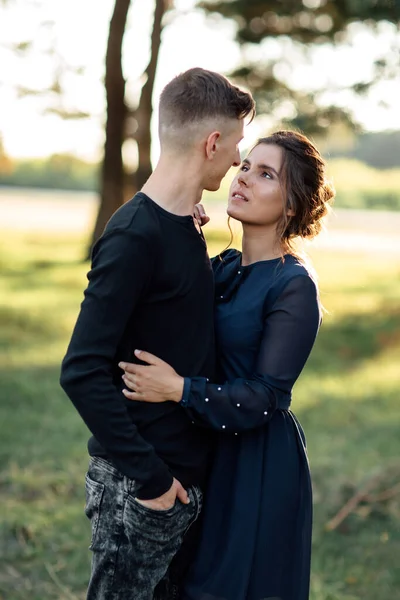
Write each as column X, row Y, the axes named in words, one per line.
column 227, row 153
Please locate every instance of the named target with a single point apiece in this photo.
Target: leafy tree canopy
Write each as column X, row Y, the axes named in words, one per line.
column 301, row 26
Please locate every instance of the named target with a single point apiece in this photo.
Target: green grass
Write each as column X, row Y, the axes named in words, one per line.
column 346, row 399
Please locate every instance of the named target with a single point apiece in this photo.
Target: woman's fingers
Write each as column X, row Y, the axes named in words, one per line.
column 132, row 395
column 128, row 367
column 200, row 214
column 142, row 396
column 144, row 356
column 130, row 381
column 148, row 357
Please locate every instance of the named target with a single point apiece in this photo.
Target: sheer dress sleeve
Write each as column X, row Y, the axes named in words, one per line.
column 290, row 329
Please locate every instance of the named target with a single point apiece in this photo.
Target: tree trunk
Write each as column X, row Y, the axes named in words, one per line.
column 112, row 173
column 144, row 111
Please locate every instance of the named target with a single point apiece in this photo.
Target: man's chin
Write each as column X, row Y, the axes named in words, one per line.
column 213, row 187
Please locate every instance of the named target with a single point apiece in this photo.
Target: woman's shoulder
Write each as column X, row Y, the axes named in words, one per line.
column 225, row 258
column 296, row 274
column 291, row 266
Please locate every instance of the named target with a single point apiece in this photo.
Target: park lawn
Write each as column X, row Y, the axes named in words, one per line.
column 346, row 400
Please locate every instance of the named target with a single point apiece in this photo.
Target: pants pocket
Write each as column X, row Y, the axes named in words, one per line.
column 94, row 496
column 159, row 526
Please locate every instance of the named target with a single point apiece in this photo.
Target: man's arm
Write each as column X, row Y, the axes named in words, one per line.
column 121, row 271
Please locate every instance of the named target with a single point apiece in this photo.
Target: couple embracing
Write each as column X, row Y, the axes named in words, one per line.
column 182, row 367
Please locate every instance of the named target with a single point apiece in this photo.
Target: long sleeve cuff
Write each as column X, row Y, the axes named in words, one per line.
column 159, row 484
column 187, row 382
column 234, row 406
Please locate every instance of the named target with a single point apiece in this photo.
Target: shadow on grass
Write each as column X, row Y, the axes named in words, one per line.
column 39, row 422
column 44, row 533
column 344, row 344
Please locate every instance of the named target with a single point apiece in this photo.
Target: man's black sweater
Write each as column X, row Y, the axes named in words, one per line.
column 150, row 287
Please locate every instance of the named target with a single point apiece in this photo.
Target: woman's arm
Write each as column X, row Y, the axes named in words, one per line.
column 289, row 333
column 290, row 329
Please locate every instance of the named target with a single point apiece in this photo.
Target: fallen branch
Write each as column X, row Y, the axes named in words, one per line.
column 385, row 495
column 58, row 583
column 362, row 495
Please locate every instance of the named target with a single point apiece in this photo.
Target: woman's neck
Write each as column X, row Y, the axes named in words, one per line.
column 259, row 244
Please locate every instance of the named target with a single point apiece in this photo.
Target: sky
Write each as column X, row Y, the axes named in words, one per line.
column 190, row 39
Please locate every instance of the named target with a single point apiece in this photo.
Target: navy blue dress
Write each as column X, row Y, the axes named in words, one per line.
column 256, row 533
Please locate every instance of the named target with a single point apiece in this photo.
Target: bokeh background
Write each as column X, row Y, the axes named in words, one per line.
column 78, row 85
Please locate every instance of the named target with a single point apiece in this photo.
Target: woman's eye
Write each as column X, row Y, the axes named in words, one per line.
column 244, row 168
column 266, row 175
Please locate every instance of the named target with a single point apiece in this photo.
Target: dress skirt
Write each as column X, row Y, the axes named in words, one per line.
column 255, row 542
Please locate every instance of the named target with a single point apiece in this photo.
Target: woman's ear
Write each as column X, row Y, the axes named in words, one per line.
column 290, row 212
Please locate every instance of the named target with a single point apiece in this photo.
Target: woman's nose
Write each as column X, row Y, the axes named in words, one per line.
column 242, row 178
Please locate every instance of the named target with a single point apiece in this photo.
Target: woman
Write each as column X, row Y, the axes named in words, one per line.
column 256, row 534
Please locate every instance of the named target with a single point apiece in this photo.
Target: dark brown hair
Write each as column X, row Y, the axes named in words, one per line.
column 198, row 94
column 306, row 192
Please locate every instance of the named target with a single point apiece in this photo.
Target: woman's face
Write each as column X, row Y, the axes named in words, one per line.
column 255, row 196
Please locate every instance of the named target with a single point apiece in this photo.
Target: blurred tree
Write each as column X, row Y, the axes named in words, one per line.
column 305, row 24
column 379, row 149
column 59, row 171
column 122, row 120
column 301, row 26
column 113, row 179
column 45, row 45
column 112, row 172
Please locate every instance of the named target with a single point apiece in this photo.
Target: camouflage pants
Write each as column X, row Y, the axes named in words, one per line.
column 132, row 545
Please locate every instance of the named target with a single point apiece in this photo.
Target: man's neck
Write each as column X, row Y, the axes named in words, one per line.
column 175, row 189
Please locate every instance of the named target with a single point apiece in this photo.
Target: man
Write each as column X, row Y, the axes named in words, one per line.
column 151, row 287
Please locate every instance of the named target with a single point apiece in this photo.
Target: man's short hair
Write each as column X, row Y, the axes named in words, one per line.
column 198, row 95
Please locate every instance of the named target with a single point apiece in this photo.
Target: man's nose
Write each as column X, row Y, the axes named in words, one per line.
column 236, row 162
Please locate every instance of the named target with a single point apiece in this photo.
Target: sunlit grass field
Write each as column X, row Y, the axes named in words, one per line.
column 347, row 400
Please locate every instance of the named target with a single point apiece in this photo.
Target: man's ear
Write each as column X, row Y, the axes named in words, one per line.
column 211, row 144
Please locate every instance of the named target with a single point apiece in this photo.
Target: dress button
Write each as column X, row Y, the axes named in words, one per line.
column 223, row 426
column 221, row 297
column 237, row 404
column 239, row 272
column 206, row 400
column 219, row 389
column 235, row 433
column 266, row 412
